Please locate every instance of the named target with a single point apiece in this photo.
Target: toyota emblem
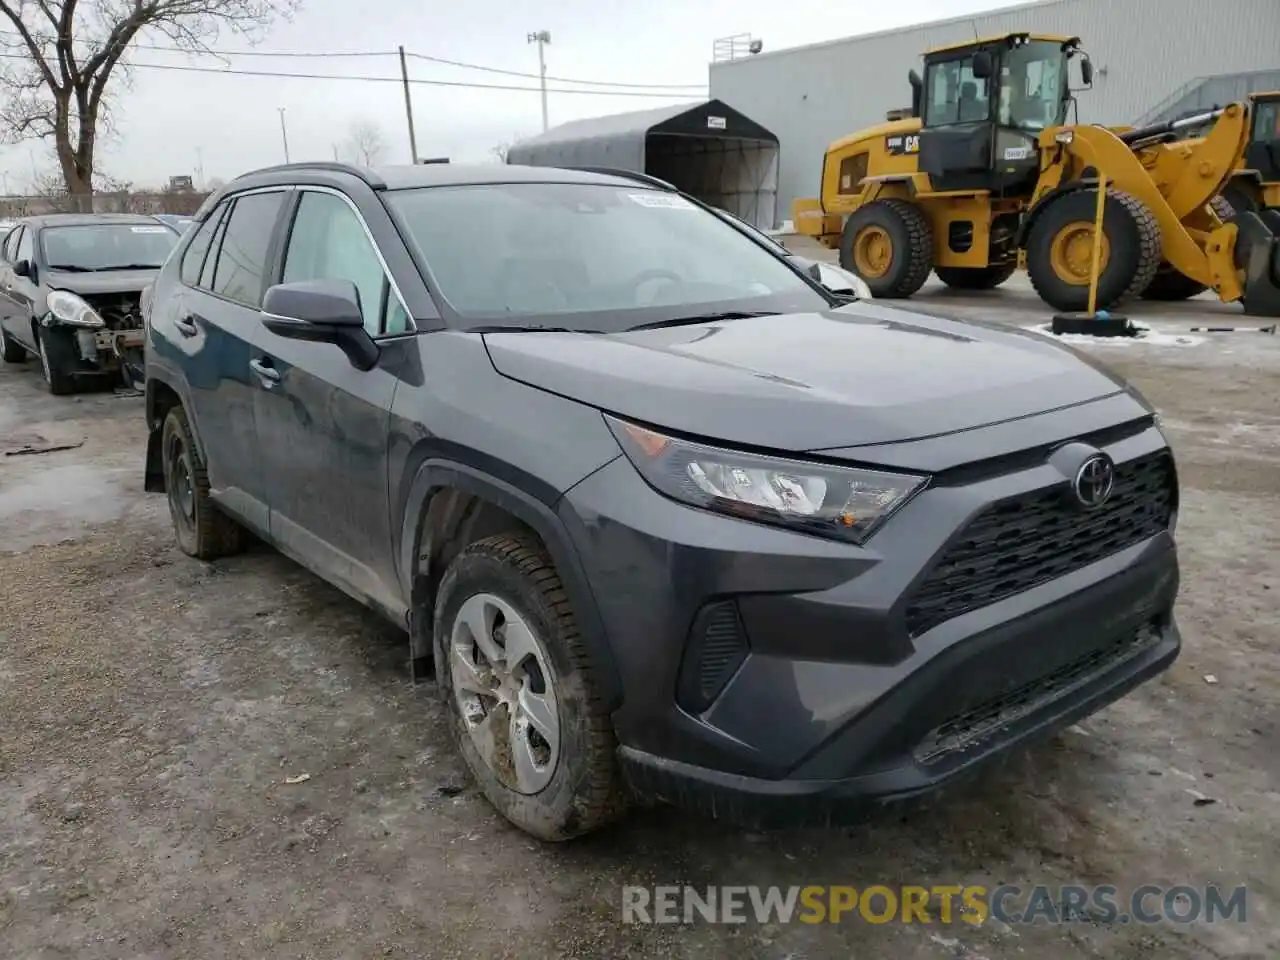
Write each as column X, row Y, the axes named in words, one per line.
column 1094, row 481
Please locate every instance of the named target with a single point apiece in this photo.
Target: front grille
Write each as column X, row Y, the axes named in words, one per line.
column 975, row 726
column 1019, row 543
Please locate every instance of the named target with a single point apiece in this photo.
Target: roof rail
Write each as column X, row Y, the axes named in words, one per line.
column 628, row 175
column 332, row 166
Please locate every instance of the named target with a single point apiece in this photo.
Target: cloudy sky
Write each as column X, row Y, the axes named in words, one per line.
column 172, row 121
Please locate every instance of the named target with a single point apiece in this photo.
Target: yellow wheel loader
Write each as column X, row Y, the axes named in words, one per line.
column 1256, row 185
column 985, row 167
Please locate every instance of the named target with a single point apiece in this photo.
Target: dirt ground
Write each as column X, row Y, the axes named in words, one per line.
column 152, row 707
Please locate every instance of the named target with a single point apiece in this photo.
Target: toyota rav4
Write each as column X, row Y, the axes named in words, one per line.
column 667, row 519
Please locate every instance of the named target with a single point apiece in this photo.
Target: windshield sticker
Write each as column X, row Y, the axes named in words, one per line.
column 150, row 229
column 668, row 201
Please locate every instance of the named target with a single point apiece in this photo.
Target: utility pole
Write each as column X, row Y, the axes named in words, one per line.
column 408, row 108
column 200, row 168
column 284, row 135
column 335, row 153
column 542, row 38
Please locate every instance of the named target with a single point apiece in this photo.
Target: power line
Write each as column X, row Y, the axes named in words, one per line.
column 228, row 71
column 299, row 54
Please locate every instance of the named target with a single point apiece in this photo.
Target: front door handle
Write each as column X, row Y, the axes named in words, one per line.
column 186, row 326
column 265, row 371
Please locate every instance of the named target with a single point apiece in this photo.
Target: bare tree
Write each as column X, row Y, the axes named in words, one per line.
column 365, row 143
column 499, row 151
column 61, row 57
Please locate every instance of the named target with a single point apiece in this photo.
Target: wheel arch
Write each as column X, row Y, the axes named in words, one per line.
column 162, row 395
column 450, row 504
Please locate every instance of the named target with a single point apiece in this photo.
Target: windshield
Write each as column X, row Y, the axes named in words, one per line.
column 1033, row 86
column 590, row 257
column 107, row 246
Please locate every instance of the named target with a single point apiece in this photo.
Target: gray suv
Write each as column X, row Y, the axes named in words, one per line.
column 667, row 519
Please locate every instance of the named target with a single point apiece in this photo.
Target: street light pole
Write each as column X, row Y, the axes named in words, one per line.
column 542, row 38
column 284, row 135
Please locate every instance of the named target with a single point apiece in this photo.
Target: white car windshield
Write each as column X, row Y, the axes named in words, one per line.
column 590, row 257
column 107, row 246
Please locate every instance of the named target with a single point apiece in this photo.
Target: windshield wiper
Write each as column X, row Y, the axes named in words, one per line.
column 705, row 318
column 70, row 268
column 127, row 266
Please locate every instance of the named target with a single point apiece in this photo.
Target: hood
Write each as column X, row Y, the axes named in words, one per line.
column 123, row 281
column 863, row 374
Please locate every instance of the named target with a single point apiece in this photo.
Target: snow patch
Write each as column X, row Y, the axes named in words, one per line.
column 1146, row 336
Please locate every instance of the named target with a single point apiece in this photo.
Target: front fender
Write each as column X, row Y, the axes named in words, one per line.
column 436, row 474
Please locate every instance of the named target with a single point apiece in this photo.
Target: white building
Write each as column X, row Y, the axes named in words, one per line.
column 1152, row 59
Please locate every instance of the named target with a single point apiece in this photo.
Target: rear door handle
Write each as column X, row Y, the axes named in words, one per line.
column 265, row 371
column 186, row 326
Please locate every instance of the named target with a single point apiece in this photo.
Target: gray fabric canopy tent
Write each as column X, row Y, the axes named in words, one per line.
column 707, row 149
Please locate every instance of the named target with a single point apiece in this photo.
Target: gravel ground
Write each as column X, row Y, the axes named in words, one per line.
column 152, row 708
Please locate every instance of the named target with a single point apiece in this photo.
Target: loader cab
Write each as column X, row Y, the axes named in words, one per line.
column 984, row 104
column 1263, row 154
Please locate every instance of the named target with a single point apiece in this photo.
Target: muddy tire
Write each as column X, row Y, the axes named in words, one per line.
column 889, row 244
column 526, row 715
column 57, row 360
column 1169, row 284
column 201, row 529
column 11, row 350
column 976, row 278
column 1060, row 242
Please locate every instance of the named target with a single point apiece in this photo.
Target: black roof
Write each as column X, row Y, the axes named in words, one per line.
column 86, row 219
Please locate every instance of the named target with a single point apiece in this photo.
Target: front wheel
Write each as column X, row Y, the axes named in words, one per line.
column 57, row 360
column 1060, row 249
column 518, row 687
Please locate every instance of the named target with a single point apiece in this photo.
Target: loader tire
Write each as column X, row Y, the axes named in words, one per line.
column 1170, row 284
column 976, row 278
column 889, row 244
column 1060, row 247
column 1243, row 197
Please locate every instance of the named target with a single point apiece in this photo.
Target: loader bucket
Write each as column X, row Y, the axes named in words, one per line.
column 1258, row 255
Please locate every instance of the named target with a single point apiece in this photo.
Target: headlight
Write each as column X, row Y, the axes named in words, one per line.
column 70, row 309
column 838, row 502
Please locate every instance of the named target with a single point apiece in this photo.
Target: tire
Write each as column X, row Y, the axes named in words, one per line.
column 1169, row 284
column 1057, row 263
column 1243, row 197
column 11, row 350
column 577, row 788
column 57, row 360
column 976, row 278
column 201, row 529
column 903, row 243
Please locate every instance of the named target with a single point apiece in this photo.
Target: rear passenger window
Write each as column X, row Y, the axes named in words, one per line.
column 242, row 256
column 198, row 249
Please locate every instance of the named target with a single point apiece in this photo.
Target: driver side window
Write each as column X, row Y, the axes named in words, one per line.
column 328, row 242
column 955, row 95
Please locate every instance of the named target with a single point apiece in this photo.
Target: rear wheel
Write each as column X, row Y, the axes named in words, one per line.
column 1170, row 284
column 976, row 278
column 888, row 244
column 201, row 529
column 1060, row 250
column 13, row 351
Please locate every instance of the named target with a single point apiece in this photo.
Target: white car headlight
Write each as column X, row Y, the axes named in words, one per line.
column 842, row 503
column 70, row 309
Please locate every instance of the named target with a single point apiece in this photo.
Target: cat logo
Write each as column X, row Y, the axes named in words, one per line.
column 901, row 145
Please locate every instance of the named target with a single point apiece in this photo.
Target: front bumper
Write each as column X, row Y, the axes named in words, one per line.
column 828, row 706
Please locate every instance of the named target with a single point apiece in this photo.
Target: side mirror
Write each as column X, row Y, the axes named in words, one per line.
column 1086, row 71
column 22, row 268
column 983, row 66
column 321, row 311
